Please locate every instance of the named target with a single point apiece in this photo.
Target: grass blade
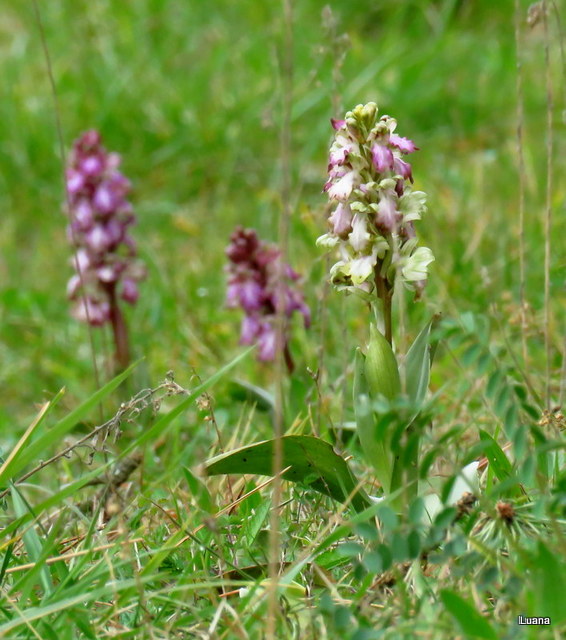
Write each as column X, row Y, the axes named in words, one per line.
column 418, row 363
column 27, row 454
column 32, row 541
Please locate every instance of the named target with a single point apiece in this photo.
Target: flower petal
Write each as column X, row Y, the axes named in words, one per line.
column 341, row 219
column 130, row 291
column 362, row 268
column 267, row 343
column 382, row 157
column 387, row 214
column 342, row 189
column 249, row 329
column 415, row 268
column 403, row 144
column 359, row 238
column 403, row 169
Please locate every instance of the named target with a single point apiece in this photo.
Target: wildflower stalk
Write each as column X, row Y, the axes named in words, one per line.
column 286, row 71
column 62, row 155
column 372, row 230
column 522, row 176
column 264, row 287
column 100, row 216
column 548, row 203
column 385, row 294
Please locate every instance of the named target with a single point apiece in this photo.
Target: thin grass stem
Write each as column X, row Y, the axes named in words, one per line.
column 548, row 205
column 286, row 74
column 60, row 141
column 520, row 114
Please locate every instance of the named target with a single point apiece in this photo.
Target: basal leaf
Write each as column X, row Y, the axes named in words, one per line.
column 381, row 369
column 376, row 451
column 311, row 460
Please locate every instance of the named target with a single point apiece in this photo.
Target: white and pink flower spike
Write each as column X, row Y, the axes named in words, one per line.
column 372, row 224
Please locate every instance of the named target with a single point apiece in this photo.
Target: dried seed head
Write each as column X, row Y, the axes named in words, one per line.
column 535, row 14
column 465, row 504
column 506, row 512
column 203, row 402
column 553, row 418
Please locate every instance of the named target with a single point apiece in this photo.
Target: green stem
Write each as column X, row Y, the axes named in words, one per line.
column 385, row 292
column 404, row 473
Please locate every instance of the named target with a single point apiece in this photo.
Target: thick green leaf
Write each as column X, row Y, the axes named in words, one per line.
column 376, row 451
column 199, row 491
column 470, row 621
column 418, row 363
column 311, row 460
column 255, row 522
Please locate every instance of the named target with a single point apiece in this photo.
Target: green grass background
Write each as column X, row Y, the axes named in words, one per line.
column 190, row 94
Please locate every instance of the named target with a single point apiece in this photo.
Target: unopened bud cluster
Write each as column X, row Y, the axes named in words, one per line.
column 254, row 272
column 372, row 223
column 100, row 217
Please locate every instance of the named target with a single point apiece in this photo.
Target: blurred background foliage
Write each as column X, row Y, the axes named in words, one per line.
column 190, row 94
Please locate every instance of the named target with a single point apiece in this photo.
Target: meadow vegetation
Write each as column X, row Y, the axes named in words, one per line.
column 221, row 113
